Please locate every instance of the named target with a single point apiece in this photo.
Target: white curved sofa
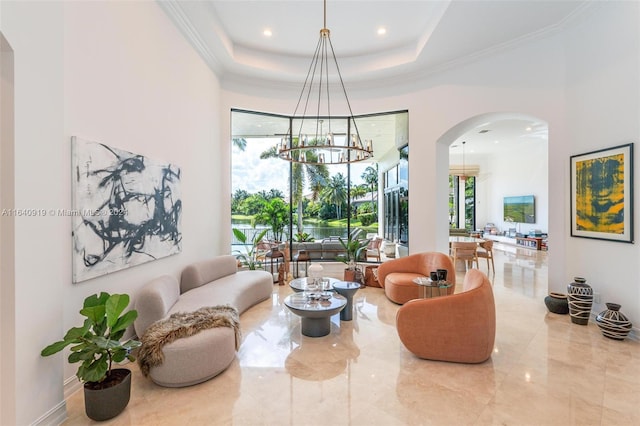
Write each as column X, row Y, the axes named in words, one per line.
column 197, row 358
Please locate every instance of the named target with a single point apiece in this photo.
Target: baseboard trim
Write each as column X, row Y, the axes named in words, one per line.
column 71, row 386
column 54, row 417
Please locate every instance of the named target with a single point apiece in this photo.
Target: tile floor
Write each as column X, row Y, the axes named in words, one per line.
column 544, row 369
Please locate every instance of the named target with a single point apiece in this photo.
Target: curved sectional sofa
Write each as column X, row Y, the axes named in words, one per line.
column 194, row 359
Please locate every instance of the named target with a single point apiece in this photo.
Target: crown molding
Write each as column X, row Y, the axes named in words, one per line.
column 402, row 76
column 176, row 13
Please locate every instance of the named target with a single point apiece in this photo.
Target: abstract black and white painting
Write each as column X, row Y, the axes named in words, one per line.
column 126, row 209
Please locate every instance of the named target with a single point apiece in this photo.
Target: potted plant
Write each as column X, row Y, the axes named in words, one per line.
column 96, row 345
column 250, row 257
column 353, row 248
column 303, row 237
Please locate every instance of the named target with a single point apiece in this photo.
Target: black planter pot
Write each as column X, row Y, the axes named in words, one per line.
column 557, row 303
column 108, row 402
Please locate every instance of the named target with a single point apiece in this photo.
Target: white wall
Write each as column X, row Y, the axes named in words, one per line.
column 521, row 172
column 113, row 72
column 7, row 235
column 603, row 110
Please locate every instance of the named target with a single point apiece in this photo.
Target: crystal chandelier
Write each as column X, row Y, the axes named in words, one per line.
column 320, row 147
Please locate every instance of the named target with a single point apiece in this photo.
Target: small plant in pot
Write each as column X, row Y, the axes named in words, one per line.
column 96, row 345
column 250, row 257
column 353, row 247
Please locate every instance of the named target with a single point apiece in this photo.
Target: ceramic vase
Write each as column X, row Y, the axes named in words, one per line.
column 613, row 323
column 580, row 298
column 557, row 303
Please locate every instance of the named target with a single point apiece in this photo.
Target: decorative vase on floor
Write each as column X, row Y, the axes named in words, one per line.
column 580, row 297
column 613, row 323
column 557, row 303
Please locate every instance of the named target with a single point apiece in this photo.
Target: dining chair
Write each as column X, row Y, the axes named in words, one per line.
column 467, row 252
column 373, row 248
column 485, row 251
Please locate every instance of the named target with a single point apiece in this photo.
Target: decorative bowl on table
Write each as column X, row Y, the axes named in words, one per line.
column 318, row 295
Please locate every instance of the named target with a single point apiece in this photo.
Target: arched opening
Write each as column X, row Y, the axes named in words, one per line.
column 495, row 158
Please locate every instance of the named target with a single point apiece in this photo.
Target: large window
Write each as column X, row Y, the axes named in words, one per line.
column 396, row 200
column 462, row 202
column 318, row 201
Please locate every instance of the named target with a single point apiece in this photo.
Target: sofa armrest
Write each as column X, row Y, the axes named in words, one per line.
column 154, row 300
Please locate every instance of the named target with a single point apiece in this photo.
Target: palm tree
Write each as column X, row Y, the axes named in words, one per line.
column 336, row 192
column 316, row 176
column 370, row 176
column 358, row 191
column 240, row 143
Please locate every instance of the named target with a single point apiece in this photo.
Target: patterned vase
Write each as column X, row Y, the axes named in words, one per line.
column 557, row 303
column 580, row 296
column 613, row 323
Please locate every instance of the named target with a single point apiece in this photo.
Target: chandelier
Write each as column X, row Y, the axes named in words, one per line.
column 318, row 147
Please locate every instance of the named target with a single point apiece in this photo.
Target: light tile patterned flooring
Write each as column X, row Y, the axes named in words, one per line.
column 544, row 369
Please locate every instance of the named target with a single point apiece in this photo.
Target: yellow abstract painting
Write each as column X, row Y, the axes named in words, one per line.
column 600, row 194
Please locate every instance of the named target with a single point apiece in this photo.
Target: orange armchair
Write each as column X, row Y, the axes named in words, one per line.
column 396, row 276
column 456, row 328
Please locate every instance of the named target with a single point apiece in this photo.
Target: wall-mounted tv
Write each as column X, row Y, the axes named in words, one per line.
column 520, row 209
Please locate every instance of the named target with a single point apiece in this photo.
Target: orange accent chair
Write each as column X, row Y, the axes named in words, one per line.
column 456, row 328
column 396, row 276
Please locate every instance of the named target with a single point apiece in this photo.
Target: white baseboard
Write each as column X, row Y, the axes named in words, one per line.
column 71, row 386
column 54, row 417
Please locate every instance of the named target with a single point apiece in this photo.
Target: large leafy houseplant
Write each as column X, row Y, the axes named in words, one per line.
column 353, row 247
column 96, row 346
column 250, row 257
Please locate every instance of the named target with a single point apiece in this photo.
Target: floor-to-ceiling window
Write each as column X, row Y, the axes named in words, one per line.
column 321, row 200
column 396, row 200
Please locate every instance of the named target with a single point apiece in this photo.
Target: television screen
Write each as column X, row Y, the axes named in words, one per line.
column 520, row 209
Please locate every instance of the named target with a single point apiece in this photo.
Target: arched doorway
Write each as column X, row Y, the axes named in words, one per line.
column 505, row 154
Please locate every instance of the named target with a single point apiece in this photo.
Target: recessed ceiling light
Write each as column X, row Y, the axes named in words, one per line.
column 382, row 31
column 496, row 141
column 528, row 129
column 267, row 32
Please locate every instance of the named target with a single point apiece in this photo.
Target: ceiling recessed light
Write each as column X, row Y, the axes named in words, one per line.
column 267, row 32
column 382, row 31
column 496, row 141
column 528, row 129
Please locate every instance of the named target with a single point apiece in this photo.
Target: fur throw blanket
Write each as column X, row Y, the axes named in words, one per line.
column 183, row 324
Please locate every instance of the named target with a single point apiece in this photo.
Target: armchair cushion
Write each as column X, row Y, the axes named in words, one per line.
column 396, row 276
column 457, row 328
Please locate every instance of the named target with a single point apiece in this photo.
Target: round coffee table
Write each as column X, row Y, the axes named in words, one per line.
column 430, row 288
column 315, row 314
column 300, row 284
column 347, row 289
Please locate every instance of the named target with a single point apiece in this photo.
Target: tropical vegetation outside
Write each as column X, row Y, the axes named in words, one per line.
column 323, row 201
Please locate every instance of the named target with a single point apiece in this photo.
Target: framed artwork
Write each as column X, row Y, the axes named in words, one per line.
column 602, row 194
column 126, row 209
